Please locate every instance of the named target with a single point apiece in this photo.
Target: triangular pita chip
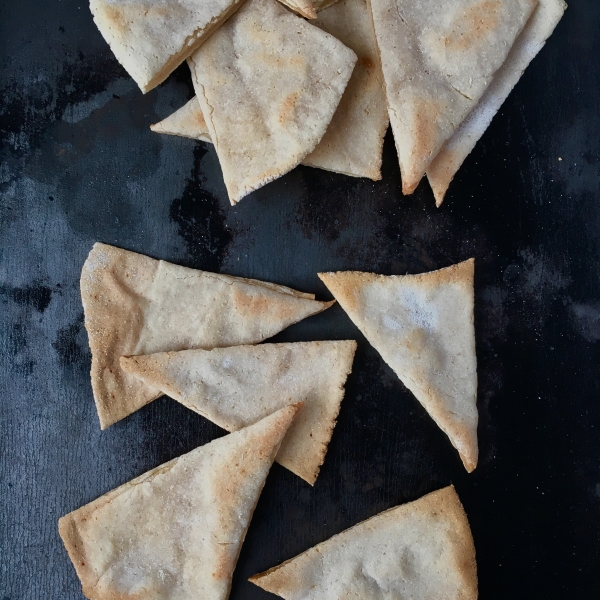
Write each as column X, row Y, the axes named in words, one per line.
column 353, row 142
column 532, row 39
column 268, row 83
column 176, row 531
column 418, row 551
column 151, row 38
column 437, row 59
column 235, row 387
column 423, row 327
column 134, row 304
column 188, row 121
column 305, row 8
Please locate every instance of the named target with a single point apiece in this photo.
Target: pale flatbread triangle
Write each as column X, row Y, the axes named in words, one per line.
column 134, row 304
column 438, row 58
column 540, row 26
column 353, row 142
column 423, row 327
column 176, row 531
column 305, row 8
column 151, row 38
column 268, row 83
column 422, row 550
column 234, row 387
column 187, row 121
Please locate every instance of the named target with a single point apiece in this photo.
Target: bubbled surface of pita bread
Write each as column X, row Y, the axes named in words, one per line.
column 188, row 121
column 176, row 531
column 438, row 58
column 151, row 38
column 531, row 40
column 268, row 83
column 234, row 387
column 353, row 142
column 423, row 327
column 421, row 550
column 134, row 304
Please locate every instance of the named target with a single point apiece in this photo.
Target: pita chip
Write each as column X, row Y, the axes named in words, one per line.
column 304, row 8
column 134, row 305
column 235, row 387
column 423, row 327
column 353, row 142
column 438, row 59
column 188, row 121
column 176, row 531
column 420, row 550
column 268, row 83
column 456, row 149
column 151, row 38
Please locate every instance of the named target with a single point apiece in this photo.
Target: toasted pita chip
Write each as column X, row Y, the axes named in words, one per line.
column 438, row 58
column 134, row 304
column 353, row 142
column 303, row 7
column 540, row 26
column 423, row 327
column 151, row 38
column 420, row 550
column 176, row 531
column 234, row 387
column 188, row 121
column 268, row 83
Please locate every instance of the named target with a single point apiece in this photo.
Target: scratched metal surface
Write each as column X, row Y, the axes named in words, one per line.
column 79, row 164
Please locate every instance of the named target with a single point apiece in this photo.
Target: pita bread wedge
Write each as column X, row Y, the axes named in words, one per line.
column 304, row 8
column 268, row 83
column 235, row 387
column 176, row 531
column 420, row 550
column 353, row 142
column 456, row 149
column 134, row 304
column 151, row 38
column 438, row 58
column 188, row 121
column 423, row 327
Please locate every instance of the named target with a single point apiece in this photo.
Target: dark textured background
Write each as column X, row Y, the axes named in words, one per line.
column 79, row 164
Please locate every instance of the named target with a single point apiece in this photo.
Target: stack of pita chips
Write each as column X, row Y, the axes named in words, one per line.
column 274, row 91
column 176, row 531
column 419, row 550
column 438, row 60
column 157, row 328
column 423, row 327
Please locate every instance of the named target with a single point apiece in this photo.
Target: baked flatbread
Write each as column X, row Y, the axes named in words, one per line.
column 420, row 550
column 438, row 58
column 268, row 83
column 234, row 387
column 151, row 38
column 176, row 531
column 303, row 7
column 134, row 304
column 187, row 121
column 538, row 29
column 423, row 327
column 353, row 142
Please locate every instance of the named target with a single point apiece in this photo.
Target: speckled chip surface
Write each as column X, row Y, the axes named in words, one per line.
column 422, row 550
column 176, row 531
column 268, row 83
column 151, row 38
